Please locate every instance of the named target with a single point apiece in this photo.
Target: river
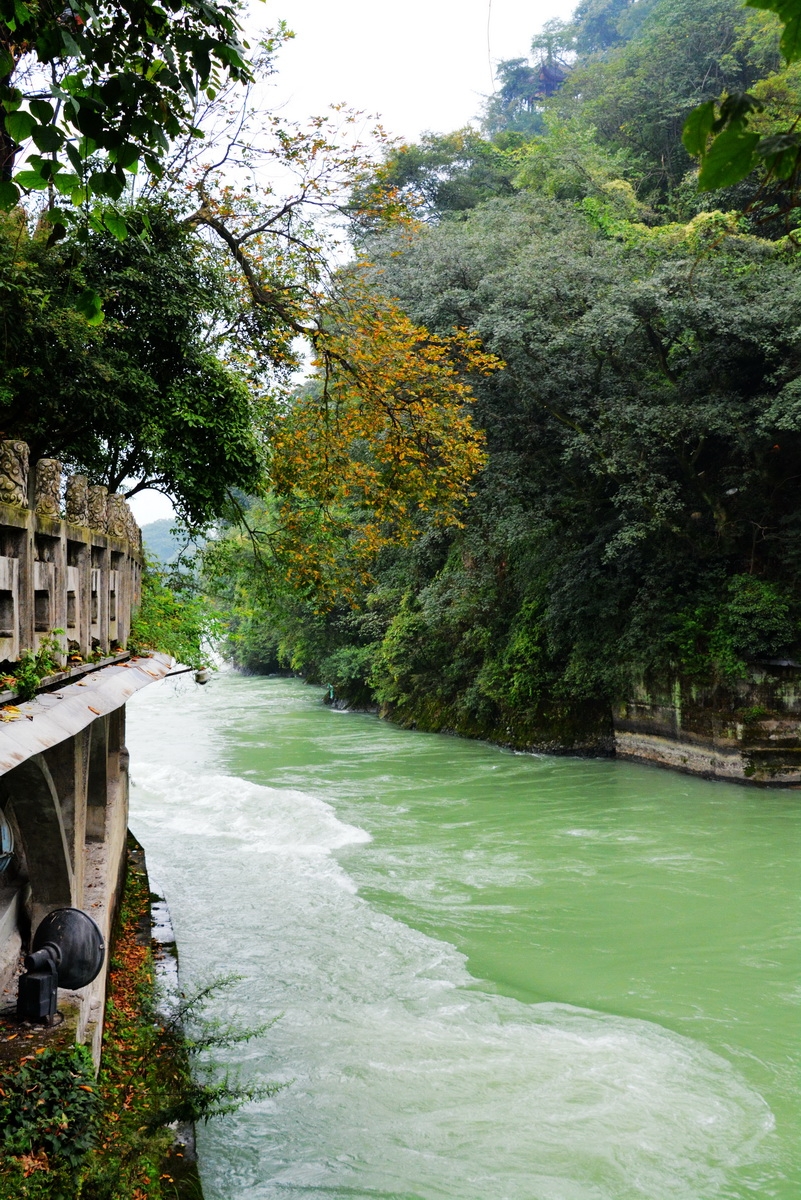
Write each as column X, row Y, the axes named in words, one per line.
column 497, row 976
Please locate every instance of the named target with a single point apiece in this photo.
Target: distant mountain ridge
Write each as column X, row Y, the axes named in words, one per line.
column 160, row 542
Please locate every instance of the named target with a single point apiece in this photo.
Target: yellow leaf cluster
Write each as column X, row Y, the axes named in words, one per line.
column 384, row 437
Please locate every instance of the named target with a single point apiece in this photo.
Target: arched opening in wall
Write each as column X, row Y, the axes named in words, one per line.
column 30, row 803
column 60, row 760
column 97, row 782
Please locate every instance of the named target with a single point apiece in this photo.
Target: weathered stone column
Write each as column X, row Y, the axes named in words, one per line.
column 77, row 500
column 97, row 504
column 47, row 495
column 117, row 521
column 14, row 473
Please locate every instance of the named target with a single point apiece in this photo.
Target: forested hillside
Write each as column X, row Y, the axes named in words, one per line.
column 638, row 512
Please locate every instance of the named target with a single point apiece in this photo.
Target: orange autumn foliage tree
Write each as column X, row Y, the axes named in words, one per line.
column 380, row 442
column 378, row 445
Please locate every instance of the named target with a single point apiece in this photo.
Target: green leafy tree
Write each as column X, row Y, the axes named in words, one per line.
column 644, row 434
column 144, row 398
column 569, row 162
column 89, row 91
column 744, row 131
column 639, row 93
column 517, row 103
column 174, row 618
column 441, row 174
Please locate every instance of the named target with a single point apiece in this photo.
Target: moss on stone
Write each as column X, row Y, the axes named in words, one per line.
column 579, row 729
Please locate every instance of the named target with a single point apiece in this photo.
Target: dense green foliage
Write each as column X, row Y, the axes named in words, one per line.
column 173, row 618
column 638, row 94
column 638, row 516
column 91, row 89
column 443, row 174
column 732, row 138
column 142, row 398
column 638, row 513
column 50, row 1105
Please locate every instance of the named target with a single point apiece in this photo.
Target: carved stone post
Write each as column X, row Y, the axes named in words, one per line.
column 131, row 527
column 14, row 473
column 117, row 524
column 97, row 507
column 48, row 488
column 76, row 500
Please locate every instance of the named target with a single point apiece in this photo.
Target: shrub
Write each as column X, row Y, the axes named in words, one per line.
column 173, row 618
column 50, row 1104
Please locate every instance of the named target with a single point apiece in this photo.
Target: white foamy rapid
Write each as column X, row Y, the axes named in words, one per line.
column 405, row 1080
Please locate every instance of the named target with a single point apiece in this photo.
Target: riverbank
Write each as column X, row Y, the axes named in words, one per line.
column 585, row 732
column 741, row 730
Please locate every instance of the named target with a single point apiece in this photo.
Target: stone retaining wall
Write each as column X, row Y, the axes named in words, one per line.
column 748, row 730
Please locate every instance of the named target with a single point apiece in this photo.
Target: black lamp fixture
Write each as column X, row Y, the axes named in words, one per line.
column 68, row 951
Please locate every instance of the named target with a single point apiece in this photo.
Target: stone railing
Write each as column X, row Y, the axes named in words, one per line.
column 78, row 570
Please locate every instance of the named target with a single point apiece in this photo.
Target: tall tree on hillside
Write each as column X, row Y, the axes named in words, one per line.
column 639, row 94
column 440, row 174
column 516, row 106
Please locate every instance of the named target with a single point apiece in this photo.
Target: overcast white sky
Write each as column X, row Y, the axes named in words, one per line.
column 420, row 65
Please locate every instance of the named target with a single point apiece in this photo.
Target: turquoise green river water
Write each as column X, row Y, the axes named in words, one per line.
column 497, row 976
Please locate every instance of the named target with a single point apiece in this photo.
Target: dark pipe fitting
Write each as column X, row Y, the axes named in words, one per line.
column 46, row 958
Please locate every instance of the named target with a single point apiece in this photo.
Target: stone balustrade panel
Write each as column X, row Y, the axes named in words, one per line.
column 78, row 570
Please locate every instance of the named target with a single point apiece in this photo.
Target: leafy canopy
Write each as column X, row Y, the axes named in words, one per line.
column 726, row 135
column 143, row 399
column 93, row 90
column 636, row 513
